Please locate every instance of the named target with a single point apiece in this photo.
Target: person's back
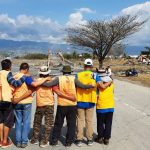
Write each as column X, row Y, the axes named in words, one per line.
column 84, row 95
column 104, row 110
column 44, row 96
column 67, row 85
column 106, row 98
column 86, row 102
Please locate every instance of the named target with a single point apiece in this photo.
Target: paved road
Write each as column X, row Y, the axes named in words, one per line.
column 131, row 124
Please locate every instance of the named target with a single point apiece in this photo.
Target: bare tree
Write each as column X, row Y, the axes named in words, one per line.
column 100, row 36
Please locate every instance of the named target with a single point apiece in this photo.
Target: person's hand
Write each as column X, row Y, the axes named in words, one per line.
column 73, row 98
column 94, row 85
column 15, row 101
column 48, row 79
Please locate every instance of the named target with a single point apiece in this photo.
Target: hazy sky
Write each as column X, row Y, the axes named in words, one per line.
column 45, row 20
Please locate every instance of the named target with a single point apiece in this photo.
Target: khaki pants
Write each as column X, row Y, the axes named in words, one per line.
column 85, row 116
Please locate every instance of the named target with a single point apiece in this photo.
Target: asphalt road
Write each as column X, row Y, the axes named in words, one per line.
column 131, row 123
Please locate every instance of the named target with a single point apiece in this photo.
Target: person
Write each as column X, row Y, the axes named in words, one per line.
column 23, row 106
column 104, row 110
column 108, row 71
column 86, row 102
column 7, row 85
column 45, row 109
column 65, row 108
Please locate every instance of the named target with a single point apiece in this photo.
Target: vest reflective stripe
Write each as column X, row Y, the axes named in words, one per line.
column 106, row 98
column 6, row 89
column 44, row 96
column 67, row 85
column 86, row 95
column 22, row 90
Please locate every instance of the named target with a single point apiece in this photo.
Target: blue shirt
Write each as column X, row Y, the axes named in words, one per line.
column 105, row 110
column 28, row 81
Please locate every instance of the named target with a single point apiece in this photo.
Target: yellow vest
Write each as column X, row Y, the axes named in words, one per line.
column 6, row 89
column 86, row 95
column 66, row 85
column 106, row 98
column 22, row 90
column 44, row 96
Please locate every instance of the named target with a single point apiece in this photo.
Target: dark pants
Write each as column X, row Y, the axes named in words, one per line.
column 70, row 113
column 7, row 114
column 48, row 113
column 104, row 124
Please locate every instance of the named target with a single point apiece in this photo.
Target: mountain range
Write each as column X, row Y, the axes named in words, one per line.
column 23, row 47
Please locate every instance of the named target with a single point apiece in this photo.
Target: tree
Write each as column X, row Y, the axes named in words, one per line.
column 100, row 36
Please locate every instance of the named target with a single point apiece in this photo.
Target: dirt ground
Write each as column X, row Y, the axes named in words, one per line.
column 118, row 66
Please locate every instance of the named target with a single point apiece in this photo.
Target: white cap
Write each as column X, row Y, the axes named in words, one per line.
column 88, row 62
column 44, row 70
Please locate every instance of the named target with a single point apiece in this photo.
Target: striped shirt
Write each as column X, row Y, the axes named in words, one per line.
column 13, row 82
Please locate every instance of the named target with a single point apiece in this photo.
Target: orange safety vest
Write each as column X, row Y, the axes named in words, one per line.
column 22, row 90
column 44, row 96
column 6, row 89
column 66, row 85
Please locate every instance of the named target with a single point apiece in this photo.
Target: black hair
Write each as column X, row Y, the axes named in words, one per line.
column 66, row 73
column 43, row 76
column 24, row 66
column 6, row 64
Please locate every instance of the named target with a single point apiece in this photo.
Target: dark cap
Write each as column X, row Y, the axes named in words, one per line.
column 66, row 69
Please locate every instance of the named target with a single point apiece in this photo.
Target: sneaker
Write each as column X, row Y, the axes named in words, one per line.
column 106, row 141
column 24, row 145
column 18, row 145
column 89, row 142
column 34, row 141
column 8, row 144
column 78, row 143
column 99, row 140
column 68, row 145
column 54, row 143
column 44, row 144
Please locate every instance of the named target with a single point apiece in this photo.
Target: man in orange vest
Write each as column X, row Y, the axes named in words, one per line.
column 67, row 83
column 45, row 109
column 7, row 85
column 23, row 107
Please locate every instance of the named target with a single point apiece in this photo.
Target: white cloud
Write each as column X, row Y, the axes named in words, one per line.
column 143, row 36
column 76, row 18
column 30, row 28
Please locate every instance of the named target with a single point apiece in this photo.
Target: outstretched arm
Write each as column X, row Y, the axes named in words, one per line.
column 70, row 97
column 83, row 86
column 51, row 83
column 102, row 85
column 40, row 82
column 22, row 97
column 13, row 82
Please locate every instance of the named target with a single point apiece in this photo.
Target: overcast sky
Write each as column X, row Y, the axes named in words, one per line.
column 45, row 20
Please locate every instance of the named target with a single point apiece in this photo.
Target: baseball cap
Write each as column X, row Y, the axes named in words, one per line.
column 88, row 62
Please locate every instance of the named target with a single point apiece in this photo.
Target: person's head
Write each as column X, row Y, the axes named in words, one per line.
column 66, row 69
column 88, row 64
column 44, row 72
column 6, row 64
column 24, row 67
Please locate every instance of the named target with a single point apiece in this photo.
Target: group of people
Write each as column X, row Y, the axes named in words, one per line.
column 77, row 97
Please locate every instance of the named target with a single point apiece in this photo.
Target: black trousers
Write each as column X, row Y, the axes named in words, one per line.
column 104, row 124
column 70, row 113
